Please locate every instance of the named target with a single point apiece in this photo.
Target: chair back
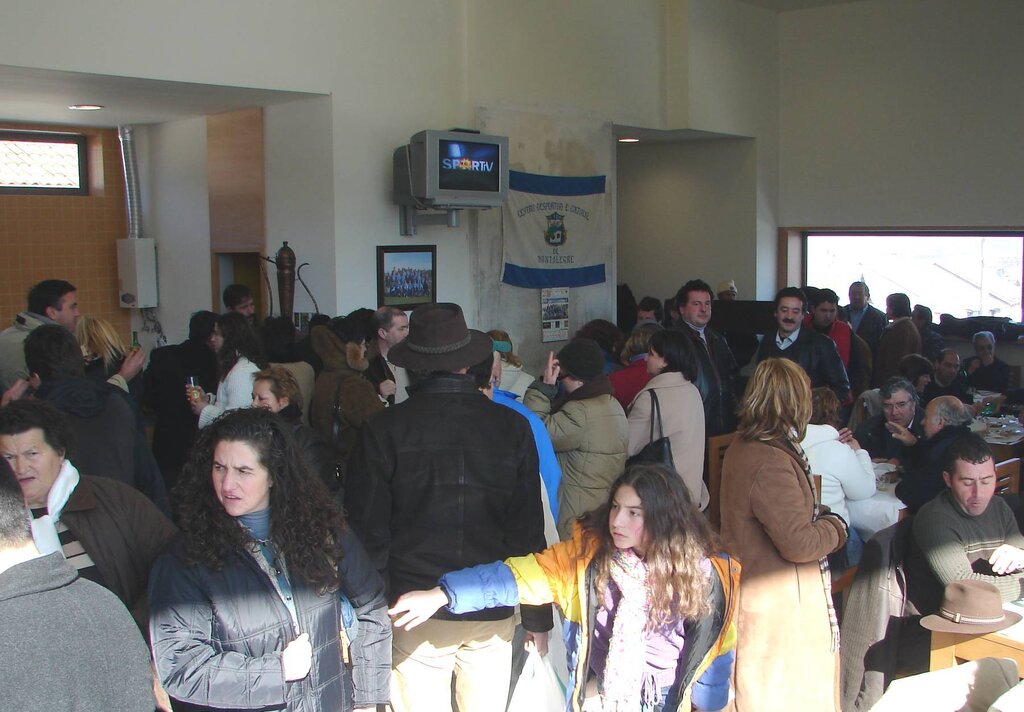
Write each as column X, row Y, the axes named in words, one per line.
column 717, row 445
column 1008, row 476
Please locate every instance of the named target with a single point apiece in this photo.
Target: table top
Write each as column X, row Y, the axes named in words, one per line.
column 1004, row 430
column 879, row 511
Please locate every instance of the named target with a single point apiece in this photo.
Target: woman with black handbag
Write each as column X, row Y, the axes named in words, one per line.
column 666, row 419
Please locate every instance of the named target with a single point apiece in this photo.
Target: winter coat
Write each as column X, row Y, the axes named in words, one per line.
column 318, row 455
column 12, row 346
column 123, row 533
column 342, row 398
column 630, row 380
column 783, row 654
column 590, row 437
column 445, row 480
column 716, row 379
column 68, row 643
column 845, row 474
column 899, row 339
column 816, row 354
column 565, row 575
column 218, row 636
column 682, row 422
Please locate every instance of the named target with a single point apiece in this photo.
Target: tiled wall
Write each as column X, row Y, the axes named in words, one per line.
column 72, row 237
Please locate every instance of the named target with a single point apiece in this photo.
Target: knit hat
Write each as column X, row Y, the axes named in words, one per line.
column 970, row 607
column 582, row 359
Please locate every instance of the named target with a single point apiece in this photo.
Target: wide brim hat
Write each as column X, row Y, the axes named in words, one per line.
column 971, row 607
column 439, row 340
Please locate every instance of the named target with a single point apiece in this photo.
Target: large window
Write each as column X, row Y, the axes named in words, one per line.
column 963, row 274
column 42, row 163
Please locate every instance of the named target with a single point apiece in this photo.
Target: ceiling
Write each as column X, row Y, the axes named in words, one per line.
column 43, row 96
column 788, row 5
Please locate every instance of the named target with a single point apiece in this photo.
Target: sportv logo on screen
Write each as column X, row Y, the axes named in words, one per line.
column 468, row 156
column 465, row 164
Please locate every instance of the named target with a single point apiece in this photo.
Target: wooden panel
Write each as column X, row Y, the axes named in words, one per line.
column 237, row 186
column 717, row 445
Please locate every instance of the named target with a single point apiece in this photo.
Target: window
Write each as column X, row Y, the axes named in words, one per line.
column 963, row 274
column 41, row 163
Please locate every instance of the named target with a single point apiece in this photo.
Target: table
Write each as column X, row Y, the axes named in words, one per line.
column 1004, row 435
column 879, row 511
column 948, row 648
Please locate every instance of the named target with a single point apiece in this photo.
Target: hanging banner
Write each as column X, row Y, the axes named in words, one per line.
column 555, row 231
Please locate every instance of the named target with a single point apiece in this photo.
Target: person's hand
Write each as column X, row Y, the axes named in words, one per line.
column 132, row 364
column 846, row 438
column 297, row 658
column 1007, row 559
column 17, row 390
column 163, row 701
column 551, row 370
column 902, row 434
column 196, row 398
column 537, row 642
column 387, row 388
column 417, row 607
column 973, row 366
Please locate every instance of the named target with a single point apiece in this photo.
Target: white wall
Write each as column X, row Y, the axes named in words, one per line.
column 687, row 210
column 902, row 113
column 175, row 212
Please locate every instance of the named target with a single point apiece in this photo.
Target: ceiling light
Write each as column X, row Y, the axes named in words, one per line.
column 85, row 107
column 628, row 139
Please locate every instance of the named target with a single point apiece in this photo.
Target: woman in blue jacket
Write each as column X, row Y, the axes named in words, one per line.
column 267, row 601
column 650, row 605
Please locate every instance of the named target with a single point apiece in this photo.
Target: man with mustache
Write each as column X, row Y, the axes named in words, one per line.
column 814, row 352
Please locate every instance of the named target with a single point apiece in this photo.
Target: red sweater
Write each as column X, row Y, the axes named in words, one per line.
column 629, row 381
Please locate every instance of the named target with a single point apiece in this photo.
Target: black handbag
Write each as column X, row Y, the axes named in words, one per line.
column 656, row 452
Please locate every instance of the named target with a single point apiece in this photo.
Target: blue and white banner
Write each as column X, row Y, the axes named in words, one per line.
column 555, row 231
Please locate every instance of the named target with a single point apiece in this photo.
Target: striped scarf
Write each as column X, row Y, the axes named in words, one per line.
column 826, row 574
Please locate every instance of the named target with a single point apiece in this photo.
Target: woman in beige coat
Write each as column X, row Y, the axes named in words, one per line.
column 673, row 367
column 787, row 652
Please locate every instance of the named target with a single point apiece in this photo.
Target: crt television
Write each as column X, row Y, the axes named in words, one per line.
column 451, row 169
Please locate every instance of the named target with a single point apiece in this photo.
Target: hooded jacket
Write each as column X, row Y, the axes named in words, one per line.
column 342, row 398
column 845, row 473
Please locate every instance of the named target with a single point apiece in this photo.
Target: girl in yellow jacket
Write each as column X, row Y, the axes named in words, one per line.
column 649, row 603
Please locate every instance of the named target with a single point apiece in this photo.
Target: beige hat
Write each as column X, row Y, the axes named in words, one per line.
column 970, row 607
column 727, row 285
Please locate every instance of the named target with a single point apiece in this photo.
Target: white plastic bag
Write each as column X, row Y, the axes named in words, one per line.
column 538, row 688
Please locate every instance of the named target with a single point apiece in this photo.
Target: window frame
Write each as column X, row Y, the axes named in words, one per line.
column 80, row 140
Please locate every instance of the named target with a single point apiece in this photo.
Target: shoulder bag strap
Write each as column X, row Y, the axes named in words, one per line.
column 656, row 414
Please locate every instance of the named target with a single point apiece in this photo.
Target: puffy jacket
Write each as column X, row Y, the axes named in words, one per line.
column 564, row 575
column 445, row 480
column 816, row 354
column 716, row 376
column 318, row 455
column 590, row 437
column 218, row 636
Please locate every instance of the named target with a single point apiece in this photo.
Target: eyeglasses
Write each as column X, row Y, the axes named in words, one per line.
column 898, row 405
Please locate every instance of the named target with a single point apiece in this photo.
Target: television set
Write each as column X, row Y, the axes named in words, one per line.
column 448, row 170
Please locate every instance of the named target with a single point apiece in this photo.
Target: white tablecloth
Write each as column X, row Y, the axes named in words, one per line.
column 880, row 510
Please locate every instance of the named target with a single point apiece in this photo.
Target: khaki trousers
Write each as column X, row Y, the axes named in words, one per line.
column 477, row 653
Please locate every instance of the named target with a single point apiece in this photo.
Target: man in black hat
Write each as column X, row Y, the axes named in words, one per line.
column 445, row 480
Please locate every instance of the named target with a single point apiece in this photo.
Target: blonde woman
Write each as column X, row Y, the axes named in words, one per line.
column 513, row 378
column 103, row 348
column 787, row 653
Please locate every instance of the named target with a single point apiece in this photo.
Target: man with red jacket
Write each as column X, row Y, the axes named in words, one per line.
column 823, row 319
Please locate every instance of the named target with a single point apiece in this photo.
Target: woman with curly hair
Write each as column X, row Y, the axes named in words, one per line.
column 649, row 600
column 267, row 600
column 788, row 648
column 239, row 357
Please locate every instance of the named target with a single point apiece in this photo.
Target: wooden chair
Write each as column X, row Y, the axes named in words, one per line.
column 1008, row 476
column 717, row 445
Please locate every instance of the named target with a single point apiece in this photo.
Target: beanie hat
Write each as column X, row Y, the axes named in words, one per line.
column 582, row 359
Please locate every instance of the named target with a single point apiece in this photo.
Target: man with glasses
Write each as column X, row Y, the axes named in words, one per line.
column 900, row 412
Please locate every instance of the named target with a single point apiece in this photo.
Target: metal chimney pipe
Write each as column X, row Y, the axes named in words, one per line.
column 131, row 181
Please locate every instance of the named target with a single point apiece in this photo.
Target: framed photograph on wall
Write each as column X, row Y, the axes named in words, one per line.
column 406, row 275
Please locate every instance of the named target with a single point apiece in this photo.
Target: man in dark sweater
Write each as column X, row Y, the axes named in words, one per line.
column 965, row 532
column 899, row 411
column 63, row 636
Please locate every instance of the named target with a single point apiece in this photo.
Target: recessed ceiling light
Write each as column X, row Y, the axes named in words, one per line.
column 627, row 139
column 85, row 107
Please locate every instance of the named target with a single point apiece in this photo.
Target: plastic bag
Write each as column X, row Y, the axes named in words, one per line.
column 538, row 688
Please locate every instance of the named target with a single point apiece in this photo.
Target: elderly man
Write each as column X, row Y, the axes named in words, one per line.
column 443, row 481
column 965, row 532
column 865, row 320
column 899, row 339
column 984, row 371
column 945, row 419
column 717, row 366
column 947, row 381
column 391, row 326
column 814, row 352
column 899, row 410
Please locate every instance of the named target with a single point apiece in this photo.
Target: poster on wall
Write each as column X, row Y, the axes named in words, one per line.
column 554, row 314
column 555, row 231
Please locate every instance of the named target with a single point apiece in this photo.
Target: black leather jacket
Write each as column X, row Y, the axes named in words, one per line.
column 444, row 481
column 218, row 636
column 716, row 379
column 816, row 354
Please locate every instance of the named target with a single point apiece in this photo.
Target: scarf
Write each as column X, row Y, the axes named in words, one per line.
column 624, row 667
column 823, row 567
column 598, row 386
column 44, row 528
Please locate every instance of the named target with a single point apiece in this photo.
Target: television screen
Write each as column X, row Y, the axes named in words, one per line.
column 468, row 165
